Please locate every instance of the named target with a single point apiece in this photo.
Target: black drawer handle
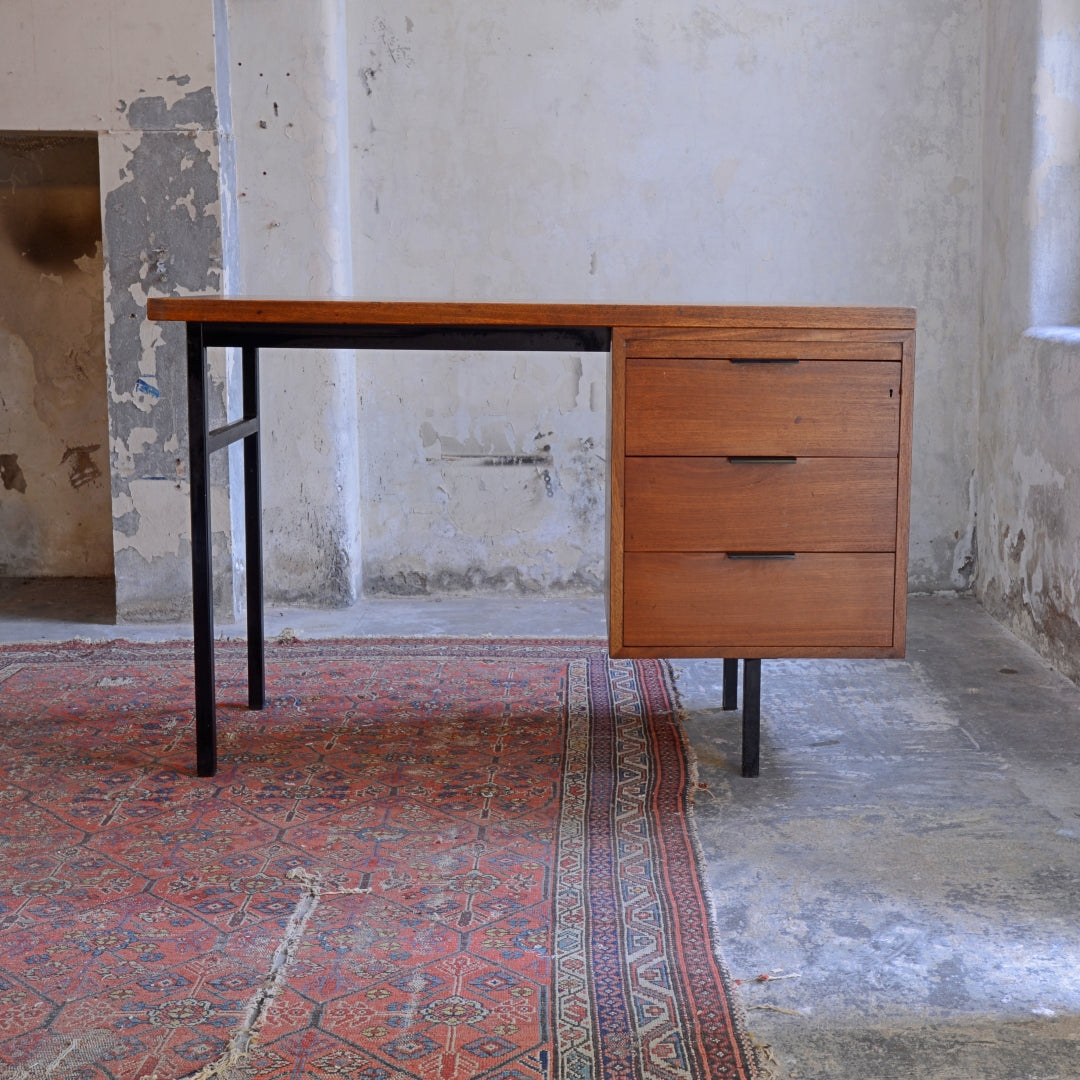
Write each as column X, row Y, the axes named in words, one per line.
column 750, row 460
column 761, row 554
column 762, row 360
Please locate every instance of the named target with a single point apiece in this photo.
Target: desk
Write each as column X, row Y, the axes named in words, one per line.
column 759, row 471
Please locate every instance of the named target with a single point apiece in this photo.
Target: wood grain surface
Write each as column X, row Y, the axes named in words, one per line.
column 713, row 504
column 710, row 600
column 711, row 407
column 468, row 313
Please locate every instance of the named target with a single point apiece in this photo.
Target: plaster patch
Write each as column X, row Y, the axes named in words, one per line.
column 140, row 438
column 150, row 338
column 123, row 466
column 161, row 505
column 122, row 504
column 187, row 202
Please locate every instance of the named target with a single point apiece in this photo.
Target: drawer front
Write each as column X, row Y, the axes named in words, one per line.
column 816, row 600
column 719, row 504
column 806, row 408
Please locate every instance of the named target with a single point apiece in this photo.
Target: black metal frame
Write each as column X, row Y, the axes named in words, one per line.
column 203, row 441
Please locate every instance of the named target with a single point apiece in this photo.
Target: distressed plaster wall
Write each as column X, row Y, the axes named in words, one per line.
column 1029, row 460
column 55, row 512
column 162, row 235
column 775, row 152
column 140, row 74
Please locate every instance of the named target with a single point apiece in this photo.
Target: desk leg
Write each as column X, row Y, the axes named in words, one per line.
column 253, row 533
column 202, row 577
column 731, row 685
column 751, row 717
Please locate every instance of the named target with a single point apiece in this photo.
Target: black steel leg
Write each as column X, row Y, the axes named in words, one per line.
column 253, row 534
column 731, row 685
column 751, row 717
column 202, row 576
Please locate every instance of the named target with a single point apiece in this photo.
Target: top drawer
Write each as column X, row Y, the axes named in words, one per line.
column 762, row 405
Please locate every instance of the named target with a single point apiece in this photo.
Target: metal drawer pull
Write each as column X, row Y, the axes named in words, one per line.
column 751, row 460
column 761, row 554
column 763, row 360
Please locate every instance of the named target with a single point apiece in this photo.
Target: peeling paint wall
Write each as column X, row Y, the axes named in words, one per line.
column 55, row 516
column 1029, row 462
column 162, row 235
column 709, row 152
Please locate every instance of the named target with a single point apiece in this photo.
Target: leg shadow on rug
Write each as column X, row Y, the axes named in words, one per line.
column 428, row 859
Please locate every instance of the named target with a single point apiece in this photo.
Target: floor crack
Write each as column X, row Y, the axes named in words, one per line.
column 240, row 1045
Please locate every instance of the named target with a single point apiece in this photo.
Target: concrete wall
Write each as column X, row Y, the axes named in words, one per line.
column 709, row 152
column 1029, row 459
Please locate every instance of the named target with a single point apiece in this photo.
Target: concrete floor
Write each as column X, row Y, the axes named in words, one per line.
column 907, row 866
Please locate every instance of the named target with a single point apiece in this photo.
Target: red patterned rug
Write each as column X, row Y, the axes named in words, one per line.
column 431, row 860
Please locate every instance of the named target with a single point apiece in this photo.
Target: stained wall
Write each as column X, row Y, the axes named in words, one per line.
column 55, row 513
column 1028, row 523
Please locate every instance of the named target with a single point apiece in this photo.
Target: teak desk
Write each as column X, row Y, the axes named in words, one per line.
column 759, row 472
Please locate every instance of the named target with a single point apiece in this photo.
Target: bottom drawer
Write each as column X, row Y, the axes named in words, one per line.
column 815, row 600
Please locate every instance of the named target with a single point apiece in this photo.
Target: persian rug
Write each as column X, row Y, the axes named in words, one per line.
column 425, row 859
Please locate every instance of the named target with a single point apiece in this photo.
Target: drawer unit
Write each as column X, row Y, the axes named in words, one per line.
column 759, row 490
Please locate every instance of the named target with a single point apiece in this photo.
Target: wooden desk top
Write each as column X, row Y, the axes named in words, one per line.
column 249, row 310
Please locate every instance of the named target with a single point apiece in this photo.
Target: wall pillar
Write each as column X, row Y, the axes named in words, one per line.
column 289, row 96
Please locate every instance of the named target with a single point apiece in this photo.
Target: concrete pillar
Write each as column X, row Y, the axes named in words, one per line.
column 289, row 98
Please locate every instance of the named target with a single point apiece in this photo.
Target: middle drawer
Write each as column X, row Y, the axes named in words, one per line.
column 732, row 504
